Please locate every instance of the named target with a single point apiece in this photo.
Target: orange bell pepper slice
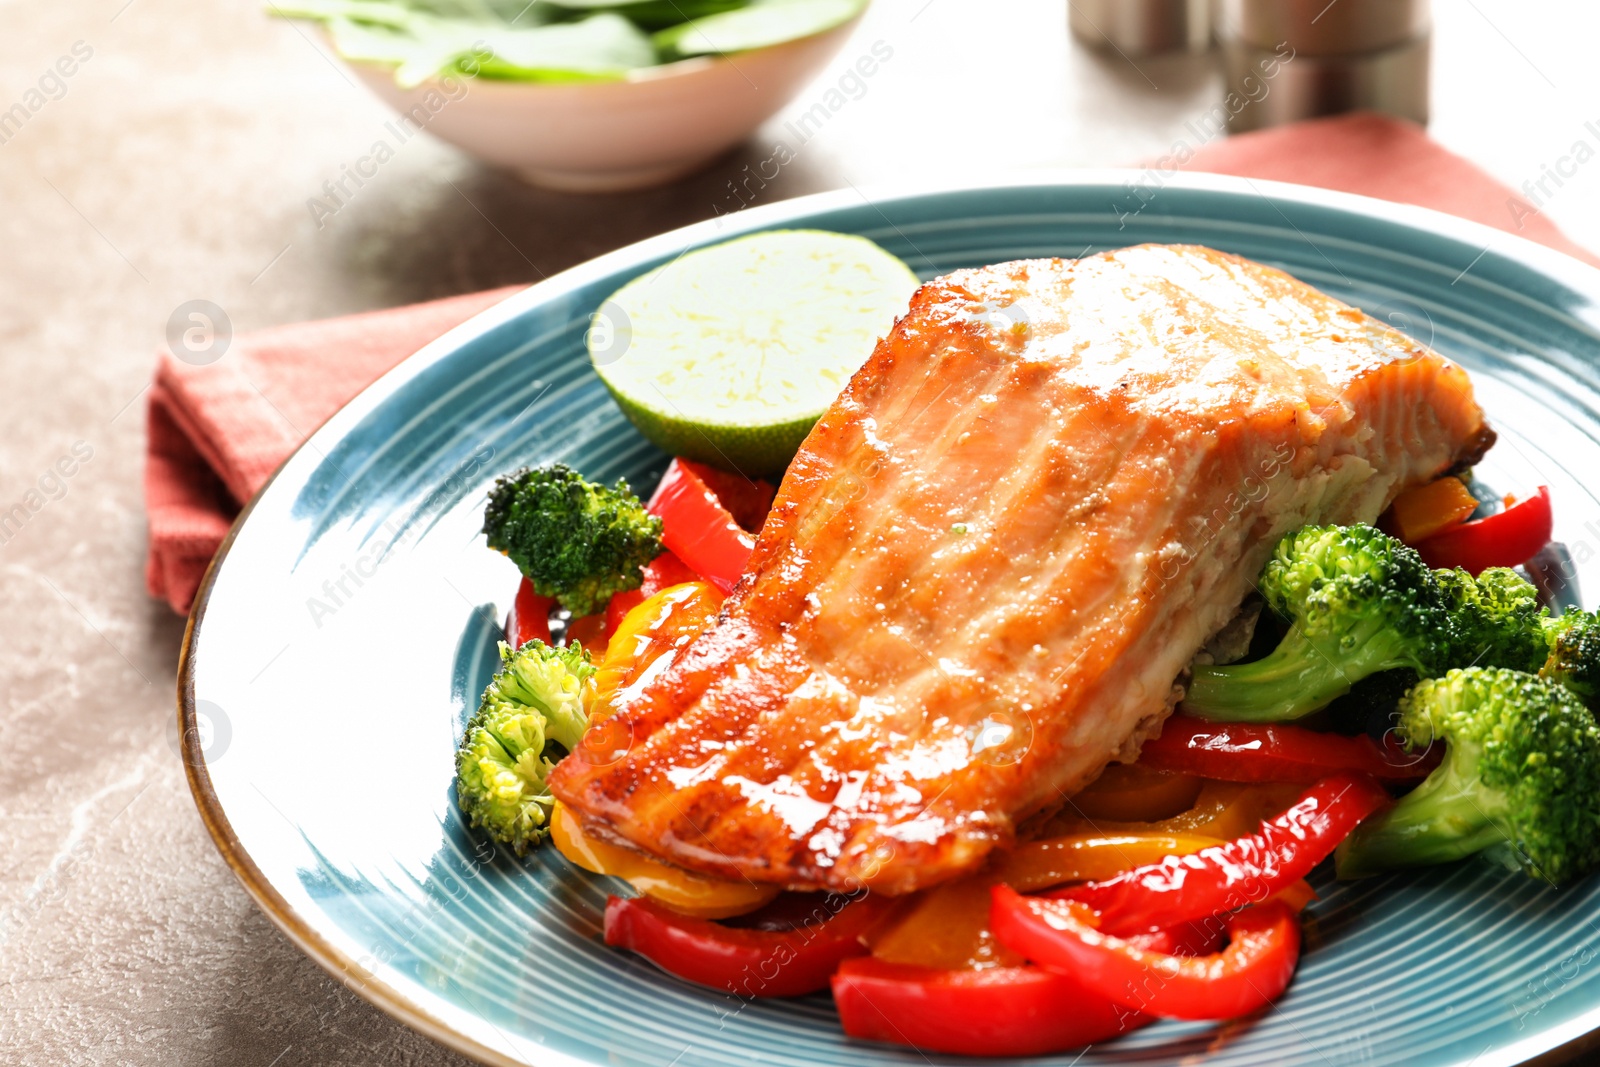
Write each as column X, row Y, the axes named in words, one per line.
column 1132, row 792
column 1424, row 510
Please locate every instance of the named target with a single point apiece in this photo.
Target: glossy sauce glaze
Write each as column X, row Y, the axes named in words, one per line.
column 995, row 553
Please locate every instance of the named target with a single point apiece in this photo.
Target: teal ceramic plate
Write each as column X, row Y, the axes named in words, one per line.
column 346, row 629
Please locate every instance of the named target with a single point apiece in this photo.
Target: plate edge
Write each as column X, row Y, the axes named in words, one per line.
column 332, row 960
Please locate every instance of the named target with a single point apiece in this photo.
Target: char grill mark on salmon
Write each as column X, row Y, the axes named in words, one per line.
column 996, row 552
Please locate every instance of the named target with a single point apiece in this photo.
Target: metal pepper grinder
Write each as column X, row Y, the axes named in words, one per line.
column 1142, row 27
column 1298, row 59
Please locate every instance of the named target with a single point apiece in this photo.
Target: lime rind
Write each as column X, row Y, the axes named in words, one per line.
column 754, row 451
column 729, row 354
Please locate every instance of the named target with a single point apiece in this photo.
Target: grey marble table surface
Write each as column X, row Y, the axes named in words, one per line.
column 176, row 165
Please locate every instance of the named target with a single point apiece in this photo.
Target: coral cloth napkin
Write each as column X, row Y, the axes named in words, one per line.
column 217, row 432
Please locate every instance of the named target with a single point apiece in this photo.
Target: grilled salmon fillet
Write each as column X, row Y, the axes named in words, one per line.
column 996, row 552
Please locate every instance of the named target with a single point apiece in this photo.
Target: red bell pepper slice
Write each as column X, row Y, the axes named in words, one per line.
column 529, row 617
column 1224, row 878
column 1002, row 1011
column 1250, row 973
column 1248, row 752
column 747, row 499
column 739, row 960
column 697, row 528
column 1507, row 539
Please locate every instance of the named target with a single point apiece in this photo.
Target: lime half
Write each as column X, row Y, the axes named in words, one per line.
column 729, row 354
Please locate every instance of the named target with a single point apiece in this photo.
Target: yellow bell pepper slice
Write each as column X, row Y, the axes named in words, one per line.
column 691, row 894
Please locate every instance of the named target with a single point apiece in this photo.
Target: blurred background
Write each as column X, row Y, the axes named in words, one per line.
column 182, row 159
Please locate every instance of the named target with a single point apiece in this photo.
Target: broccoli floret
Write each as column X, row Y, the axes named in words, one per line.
column 1359, row 602
column 1498, row 617
column 1521, row 769
column 576, row 541
column 532, row 714
column 1574, row 654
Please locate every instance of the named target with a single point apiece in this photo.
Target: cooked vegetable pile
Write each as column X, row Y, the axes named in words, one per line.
column 556, row 40
column 1494, row 752
column 1506, row 692
column 597, row 552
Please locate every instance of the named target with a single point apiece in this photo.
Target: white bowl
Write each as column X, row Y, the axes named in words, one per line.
column 596, row 137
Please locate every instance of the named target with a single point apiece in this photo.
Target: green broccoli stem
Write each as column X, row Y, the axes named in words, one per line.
column 1448, row 817
column 1290, row 682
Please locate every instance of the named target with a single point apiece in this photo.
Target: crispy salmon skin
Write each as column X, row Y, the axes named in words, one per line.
column 995, row 553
